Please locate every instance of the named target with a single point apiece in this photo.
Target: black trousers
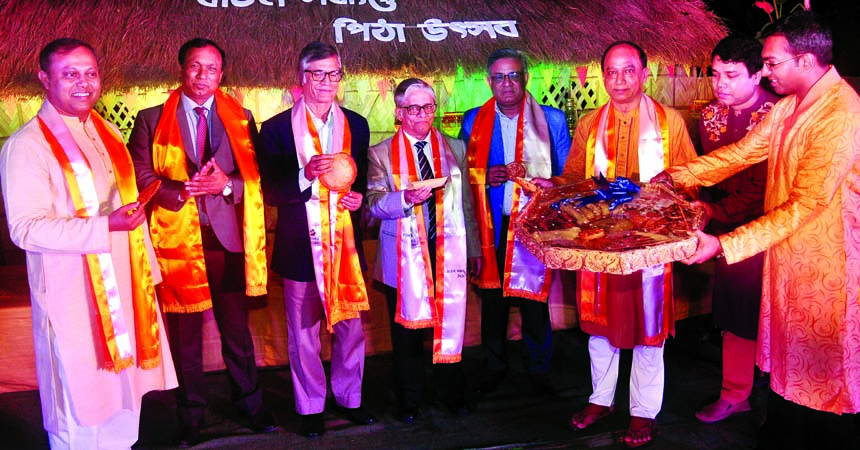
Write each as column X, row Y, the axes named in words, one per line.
column 408, row 370
column 495, row 311
column 226, row 275
column 791, row 426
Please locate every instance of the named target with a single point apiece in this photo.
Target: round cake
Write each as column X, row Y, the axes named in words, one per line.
column 341, row 175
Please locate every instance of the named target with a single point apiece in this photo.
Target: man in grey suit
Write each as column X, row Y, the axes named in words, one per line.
column 425, row 238
column 209, row 231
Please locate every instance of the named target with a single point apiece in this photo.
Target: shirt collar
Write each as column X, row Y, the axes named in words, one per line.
column 412, row 140
column 502, row 115
column 329, row 119
column 189, row 104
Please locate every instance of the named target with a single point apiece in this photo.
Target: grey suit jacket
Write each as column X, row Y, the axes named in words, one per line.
column 387, row 204
column 222, row 210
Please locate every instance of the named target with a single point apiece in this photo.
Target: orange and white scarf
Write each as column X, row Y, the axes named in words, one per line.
column 176, row 234
column 600, row 158
column 420, row 303
column 337, row 268
column 114, row 330
column 525, row 276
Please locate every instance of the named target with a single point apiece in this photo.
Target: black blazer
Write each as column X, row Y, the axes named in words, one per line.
column 279, row 172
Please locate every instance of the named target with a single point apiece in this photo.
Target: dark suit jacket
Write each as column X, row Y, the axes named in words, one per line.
column 222, row 210
column 279, row 173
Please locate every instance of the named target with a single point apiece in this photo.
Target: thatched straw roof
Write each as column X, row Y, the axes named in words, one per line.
column 137, row 40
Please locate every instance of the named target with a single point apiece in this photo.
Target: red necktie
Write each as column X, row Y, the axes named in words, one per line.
column 204, row 152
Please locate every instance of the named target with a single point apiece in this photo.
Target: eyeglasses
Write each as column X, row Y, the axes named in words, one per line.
column 319, row 75
column 771, row 65
column 513, row 77
column 413, row 110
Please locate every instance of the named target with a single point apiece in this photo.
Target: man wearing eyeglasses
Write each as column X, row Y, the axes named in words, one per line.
column 512, row 127
column 740, row 105
column 207, row 228
column 317, row 247
column 809, row 325
column 427, row 249
column 636, row 137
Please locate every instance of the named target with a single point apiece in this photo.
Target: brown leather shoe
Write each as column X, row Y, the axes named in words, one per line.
column 720, row 410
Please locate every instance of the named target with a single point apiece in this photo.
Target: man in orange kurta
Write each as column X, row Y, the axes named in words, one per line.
column 635, row 137
column 809, row 330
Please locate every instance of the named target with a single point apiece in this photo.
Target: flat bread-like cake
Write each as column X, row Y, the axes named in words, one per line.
column 342, row 173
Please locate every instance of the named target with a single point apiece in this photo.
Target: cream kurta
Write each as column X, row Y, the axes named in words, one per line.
column 42, row 221
column 809, row 330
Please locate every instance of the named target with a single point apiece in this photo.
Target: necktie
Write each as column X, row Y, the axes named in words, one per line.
column 204, row 152
column 426, row 174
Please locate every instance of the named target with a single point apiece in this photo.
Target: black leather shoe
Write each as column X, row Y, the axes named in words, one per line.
column 542, row 384
column 186, row 436
column 407, row 415
column 358, row 416
column 458, row 407
column 313, row 425
column 489, row 381
column 262, row 422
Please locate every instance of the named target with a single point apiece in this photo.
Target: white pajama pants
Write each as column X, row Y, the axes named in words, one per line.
column 118, row 432
column 646, row 376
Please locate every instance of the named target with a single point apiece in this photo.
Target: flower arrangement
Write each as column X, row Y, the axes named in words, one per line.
column 774, row 9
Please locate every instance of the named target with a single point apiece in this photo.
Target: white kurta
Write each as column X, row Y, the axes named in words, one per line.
column 42, row 221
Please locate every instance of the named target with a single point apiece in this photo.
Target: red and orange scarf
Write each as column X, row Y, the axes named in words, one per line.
column 339, row 277
column 524, row 275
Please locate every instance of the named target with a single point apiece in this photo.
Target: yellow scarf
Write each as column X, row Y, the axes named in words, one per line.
column 143, row 292
column 176, row 234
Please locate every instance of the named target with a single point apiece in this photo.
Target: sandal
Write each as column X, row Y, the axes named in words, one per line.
column 588, row 416
column 640, row 428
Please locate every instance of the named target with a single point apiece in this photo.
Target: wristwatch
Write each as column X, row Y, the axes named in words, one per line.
column 228, row 188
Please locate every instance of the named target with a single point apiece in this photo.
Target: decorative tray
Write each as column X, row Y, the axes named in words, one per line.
column 611, row 226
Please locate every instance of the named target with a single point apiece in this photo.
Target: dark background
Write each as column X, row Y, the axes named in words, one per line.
column 744, row 18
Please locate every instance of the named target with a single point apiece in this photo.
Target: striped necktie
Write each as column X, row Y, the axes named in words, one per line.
column 427, row 174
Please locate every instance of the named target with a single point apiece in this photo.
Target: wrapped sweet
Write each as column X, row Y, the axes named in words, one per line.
column 616, row 226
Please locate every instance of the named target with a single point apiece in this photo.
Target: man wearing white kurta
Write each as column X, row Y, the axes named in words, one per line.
column 68, row 186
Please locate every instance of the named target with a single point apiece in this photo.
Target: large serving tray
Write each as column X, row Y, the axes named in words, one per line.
column 655, row 227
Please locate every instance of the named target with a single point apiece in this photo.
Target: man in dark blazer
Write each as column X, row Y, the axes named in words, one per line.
column 318, row 231
column 407, row 253
column 209, row 227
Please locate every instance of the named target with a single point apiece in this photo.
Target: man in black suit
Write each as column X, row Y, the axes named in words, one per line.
column 208, row 230
column 318, row 239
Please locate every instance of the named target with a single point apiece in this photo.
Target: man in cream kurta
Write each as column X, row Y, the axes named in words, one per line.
column 635, row 137
column 809, row 329
column 86, row 401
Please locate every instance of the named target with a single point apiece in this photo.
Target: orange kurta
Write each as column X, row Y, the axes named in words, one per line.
column 809, row 330
column 625, row 325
